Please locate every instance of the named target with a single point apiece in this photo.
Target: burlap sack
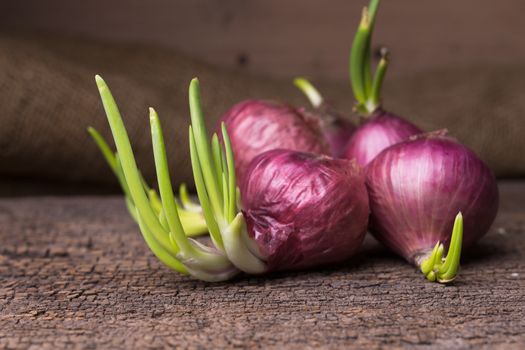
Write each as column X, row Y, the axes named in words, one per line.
column 48, row 97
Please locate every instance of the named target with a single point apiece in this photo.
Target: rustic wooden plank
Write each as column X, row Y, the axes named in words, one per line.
column 286, row 38
column 75, row 273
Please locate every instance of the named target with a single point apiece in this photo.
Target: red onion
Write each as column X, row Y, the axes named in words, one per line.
column 304, row 210
column 380, row 129
column 417, row 187
column 256, row 126
column 300, row 209
column 337, row 129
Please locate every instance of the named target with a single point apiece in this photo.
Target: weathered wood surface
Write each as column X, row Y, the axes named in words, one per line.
column 75, row 273
column 293, row 37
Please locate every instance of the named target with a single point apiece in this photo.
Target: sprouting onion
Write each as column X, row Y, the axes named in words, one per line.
column 417, row 187
column 215, row 180
column 300, row 209
column 379, row 129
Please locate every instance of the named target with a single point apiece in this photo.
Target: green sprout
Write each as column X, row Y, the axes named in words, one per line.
column 366, row 89
column 217, row 190
column 186, row 201
column 166, row 225
column 444, row 270
column 190, row 213
column 313, row 95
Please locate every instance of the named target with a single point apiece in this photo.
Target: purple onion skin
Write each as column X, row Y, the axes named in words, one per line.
column 256, row 126
column 380, row 131
column 337, row 130
column 417, row 187
column 304, row 210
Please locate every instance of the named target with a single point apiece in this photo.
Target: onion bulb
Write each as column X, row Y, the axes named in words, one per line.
column 256, row 126
column 417, row 188
column 303, row 209
column 298, row 209
column 381, row 130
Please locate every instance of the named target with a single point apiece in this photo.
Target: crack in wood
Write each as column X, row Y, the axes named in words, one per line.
column 88, row 280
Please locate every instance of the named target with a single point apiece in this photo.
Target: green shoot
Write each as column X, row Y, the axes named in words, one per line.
column 225, row 221
column 198, row 258
column 207, row 164
column 129, row 166
column 434, row 267
column 158, row 218
column 165, row 224
column 313, row 95
column 207, row 210
column 191, row 213
column 357, row 58
column 375, row 95
column 366, row 90
column 237, row 251
column 159, row 251
column 186, row 201
column 104, row 148
column 232, row 181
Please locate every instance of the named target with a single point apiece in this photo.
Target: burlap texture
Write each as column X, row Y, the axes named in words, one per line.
column 483, row 106
column 48, row 97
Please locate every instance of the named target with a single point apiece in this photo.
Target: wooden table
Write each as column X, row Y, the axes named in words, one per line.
column 74, row 272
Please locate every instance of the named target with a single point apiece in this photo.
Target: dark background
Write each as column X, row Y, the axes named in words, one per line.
column 287, row 38
column 458, row 65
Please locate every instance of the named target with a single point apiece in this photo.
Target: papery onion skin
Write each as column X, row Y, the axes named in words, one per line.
column 304, row 210
column 256, row 126
column 336, row 128
column 381, row 130
column 417, row 187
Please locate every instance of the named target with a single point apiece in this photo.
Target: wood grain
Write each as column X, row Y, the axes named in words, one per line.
column 75, row 273
column 294, row 37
